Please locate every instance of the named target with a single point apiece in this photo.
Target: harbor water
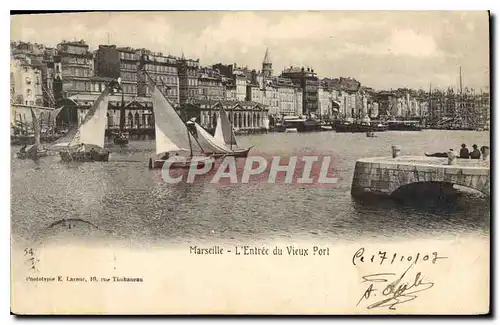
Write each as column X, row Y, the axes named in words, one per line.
column 125, row 201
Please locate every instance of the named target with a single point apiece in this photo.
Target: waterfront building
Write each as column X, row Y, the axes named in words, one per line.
column 40, row 58
column 239, row 75
column 289, row 97
column 228, row 88
column 163, row 69
column 118, row 62
column 245, row 115
column 347, row 103
column 307, row 80
column 210, row 84
column 326, row 95
column 25, row 82
column 73, row 69
column 188, row 79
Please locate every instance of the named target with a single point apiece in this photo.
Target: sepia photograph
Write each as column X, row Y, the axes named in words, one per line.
column 250, row 162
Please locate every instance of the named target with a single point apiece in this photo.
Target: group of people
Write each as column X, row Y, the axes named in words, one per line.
column 475, row 153
column 464, row 153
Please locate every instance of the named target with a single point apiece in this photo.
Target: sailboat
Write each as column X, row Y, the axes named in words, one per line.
column 172, row 136
column 223, row 140
column 33, row 151
column 87, row 143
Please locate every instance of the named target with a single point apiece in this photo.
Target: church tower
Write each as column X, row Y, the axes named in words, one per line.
column 267, row 66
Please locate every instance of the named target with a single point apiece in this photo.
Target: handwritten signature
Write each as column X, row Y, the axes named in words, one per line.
column 396, row 292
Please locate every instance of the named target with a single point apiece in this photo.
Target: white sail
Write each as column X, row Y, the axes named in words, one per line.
column 170, row 131
column 91, row 131
column 219, row 135
column 210, row 143
column 224, row 130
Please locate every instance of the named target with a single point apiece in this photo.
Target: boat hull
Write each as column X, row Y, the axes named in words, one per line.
column 29, row 155
column 68, row 156
column 404, row 127
column 120, row 141
column 359, row 128
column 237, row 153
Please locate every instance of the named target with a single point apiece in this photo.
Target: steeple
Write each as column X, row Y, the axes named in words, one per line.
column 267, row 66
column 266, row 57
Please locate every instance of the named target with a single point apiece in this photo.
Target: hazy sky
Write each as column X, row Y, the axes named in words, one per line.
column 381, row 49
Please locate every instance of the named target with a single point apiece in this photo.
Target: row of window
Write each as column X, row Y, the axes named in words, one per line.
column 76, row 72
column 160, row 68
column 168, row 80
column 129, row 76
column 209, row 83
column 210, row 91
column 73, row 60
column 129, row 89
column 128, row 56
column 130, row 66
column 74, row 49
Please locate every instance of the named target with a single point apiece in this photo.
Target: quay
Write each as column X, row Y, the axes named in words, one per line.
column 388, row 175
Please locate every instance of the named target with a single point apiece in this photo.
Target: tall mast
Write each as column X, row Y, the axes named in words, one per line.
column 460, row 80
column 122, row 113
column 430, row 100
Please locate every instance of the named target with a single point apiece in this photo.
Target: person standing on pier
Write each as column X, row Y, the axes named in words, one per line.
column 464, row 152
column 475, row 154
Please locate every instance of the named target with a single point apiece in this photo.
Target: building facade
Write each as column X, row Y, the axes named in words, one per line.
column 244, row 115
column 118, row 62
column 210, row 85
column 188, row 79
column 163, row 70
column 308, row 81
column 25, row 83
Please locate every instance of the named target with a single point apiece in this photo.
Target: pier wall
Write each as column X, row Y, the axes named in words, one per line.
column 386, row 175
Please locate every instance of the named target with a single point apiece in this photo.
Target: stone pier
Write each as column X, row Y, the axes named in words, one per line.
column 385, row 175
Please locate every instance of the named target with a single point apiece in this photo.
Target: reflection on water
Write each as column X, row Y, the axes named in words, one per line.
column 125, row 200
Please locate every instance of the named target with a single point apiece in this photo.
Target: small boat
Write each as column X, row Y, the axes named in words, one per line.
column 404, row 126
column 84, row 156
column 348, row 127
column 370, row 134
column 291, row 130
column 87, row 143
column 120, row 139
column 172, row 135
column 222, row 142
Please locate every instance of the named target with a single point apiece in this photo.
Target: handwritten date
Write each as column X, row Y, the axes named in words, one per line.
column 396, row 292
column 383, row 258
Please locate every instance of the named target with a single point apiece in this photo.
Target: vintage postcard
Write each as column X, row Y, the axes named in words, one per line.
column 225, row 162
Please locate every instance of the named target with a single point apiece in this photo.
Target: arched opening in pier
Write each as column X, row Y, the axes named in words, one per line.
column 432, row 193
